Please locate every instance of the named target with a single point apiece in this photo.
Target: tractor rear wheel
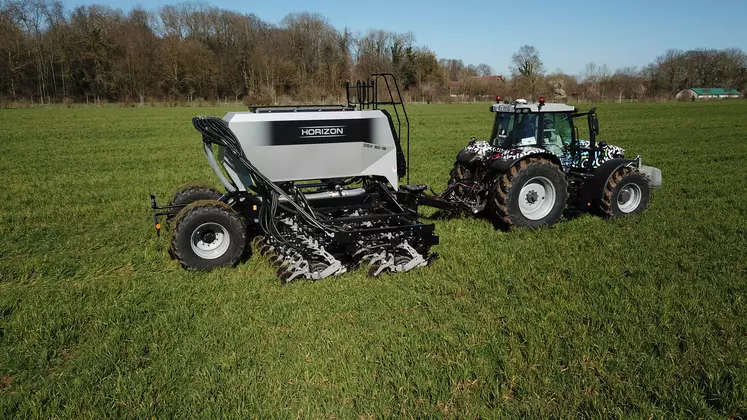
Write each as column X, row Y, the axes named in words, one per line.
column 189, row 193
column 208, row 234
column 459, row 173
column 532, row 194
column 627, row 192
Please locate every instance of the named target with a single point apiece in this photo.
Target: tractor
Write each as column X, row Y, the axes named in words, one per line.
column 535, row 169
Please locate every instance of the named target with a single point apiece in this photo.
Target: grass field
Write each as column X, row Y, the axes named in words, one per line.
column 645, row 316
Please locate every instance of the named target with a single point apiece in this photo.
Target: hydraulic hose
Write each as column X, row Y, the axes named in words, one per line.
column 216, row 130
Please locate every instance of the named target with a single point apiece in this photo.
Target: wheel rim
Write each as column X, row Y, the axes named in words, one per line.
column 537, row 198
column 210, row 241
column 629, row 198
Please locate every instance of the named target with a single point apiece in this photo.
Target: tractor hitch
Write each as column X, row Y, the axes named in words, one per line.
column 415, row 195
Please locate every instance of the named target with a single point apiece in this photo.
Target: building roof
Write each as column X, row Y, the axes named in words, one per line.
column 714, row 91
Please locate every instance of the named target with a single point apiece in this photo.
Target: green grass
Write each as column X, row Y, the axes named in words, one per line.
column 645, row 316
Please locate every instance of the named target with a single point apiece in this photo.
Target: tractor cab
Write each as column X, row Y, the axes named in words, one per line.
column 522, row 124
column 551, row 127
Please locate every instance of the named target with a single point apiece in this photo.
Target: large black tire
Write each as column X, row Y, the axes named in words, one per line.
column 208, row 234
column 189, row 193
column 627, row 192
column 544, row 196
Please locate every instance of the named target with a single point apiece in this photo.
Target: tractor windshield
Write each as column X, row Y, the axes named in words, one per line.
column 502, row 130
column 514, row 130
column 549, row 130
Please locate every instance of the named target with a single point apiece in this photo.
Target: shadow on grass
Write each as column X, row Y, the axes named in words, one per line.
column 498, row 223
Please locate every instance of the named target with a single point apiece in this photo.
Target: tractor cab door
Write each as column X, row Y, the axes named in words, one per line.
column 513, row 130
column 584, row 153
column 557, row 134
column 503, row 128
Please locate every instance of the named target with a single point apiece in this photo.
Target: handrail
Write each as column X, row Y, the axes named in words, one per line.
column 367, row 97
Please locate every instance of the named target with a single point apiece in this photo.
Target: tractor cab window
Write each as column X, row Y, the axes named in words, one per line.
column 556, row 132
column 526, row 130
column 514, row 130
column 502, row 130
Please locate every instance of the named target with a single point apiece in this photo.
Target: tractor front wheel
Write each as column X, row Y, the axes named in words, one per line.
column 208, row 234
column 531, row 194
column 627, row 192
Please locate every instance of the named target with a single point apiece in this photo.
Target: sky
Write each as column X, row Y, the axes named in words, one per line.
column 568, row 34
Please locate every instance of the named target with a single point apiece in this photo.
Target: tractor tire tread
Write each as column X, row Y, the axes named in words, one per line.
column 500, row 198
column 191, row 192
column 606, row 204
column 200, row 209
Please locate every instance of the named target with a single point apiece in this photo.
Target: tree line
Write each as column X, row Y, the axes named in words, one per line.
column 670, row 73
column 188, row 52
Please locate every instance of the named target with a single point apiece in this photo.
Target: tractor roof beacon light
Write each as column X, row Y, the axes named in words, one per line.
column 541, row 103
column 497, row 99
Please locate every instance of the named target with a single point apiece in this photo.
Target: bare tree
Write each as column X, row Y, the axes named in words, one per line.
column 193, row 50
column 483, row 70
column 527, row 66
column 455, row 68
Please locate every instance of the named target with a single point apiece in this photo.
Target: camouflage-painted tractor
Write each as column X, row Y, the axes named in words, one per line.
column 535, row 168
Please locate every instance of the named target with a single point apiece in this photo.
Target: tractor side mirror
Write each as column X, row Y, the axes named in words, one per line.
column 595, row 124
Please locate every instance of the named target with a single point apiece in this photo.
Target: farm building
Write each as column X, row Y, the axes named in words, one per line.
column 707, row 93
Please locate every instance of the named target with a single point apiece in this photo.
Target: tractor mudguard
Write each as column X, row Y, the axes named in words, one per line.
column 467, row 157
column 502, row 166
column 507, row 160
column 595, row 187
